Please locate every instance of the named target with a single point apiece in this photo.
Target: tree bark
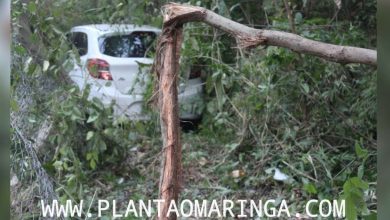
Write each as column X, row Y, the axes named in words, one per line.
column 166, row 66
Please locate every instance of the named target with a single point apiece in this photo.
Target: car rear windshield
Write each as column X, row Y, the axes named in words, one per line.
column 136, row 44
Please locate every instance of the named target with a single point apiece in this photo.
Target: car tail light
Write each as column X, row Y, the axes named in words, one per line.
column 99, row 69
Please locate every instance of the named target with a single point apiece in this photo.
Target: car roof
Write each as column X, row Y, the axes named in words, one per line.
column 112, row 28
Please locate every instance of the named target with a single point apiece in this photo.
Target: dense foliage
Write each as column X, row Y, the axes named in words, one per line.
column 264, row 109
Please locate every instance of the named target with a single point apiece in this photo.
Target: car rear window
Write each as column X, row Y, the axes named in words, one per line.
column 136, row 44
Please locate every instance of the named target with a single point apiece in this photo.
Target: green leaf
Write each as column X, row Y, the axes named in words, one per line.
column 92, row 118
column 310, row 188
column 371, row 216
column 103, row 146
column 89, row 156
column 353, row 193
column 31, row 7
column 76, row 113
column 108, row 131
column 360, row 152
column 306, row 88
column 232, row 146
column 142, row 65
column 194, row 44
column 58, row 165
column 361, row 171
column 89, row 135
column 72, row 90
column 98, row 103
column 350, row 209
column 20, row 50
column 32, row 120
column 354, row 184
column 92, row 164
column 359, row 183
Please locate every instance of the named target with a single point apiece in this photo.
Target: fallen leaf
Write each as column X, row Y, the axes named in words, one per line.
column 238, row 173
column 203, row 161
column 46, row 65
column 278, row 175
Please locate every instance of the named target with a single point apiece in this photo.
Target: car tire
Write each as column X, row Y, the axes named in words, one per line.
column 188, row 125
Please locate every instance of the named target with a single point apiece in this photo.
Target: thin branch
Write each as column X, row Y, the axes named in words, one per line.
column 290, row 17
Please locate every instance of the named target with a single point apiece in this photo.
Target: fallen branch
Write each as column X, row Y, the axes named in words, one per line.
column 251, row 37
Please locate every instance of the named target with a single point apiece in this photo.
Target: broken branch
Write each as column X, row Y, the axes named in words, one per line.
column 248, row 37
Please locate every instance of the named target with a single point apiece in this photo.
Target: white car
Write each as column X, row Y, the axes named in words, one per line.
column 111, row 57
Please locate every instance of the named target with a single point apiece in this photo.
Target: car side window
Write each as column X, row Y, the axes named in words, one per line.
column 80, row 41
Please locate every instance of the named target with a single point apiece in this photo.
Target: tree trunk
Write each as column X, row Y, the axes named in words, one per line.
column 166, row 66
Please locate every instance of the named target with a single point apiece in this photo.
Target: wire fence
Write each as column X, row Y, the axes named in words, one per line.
column 30, row 183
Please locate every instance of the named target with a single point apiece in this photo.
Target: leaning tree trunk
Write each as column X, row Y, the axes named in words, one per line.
column 166, row 66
